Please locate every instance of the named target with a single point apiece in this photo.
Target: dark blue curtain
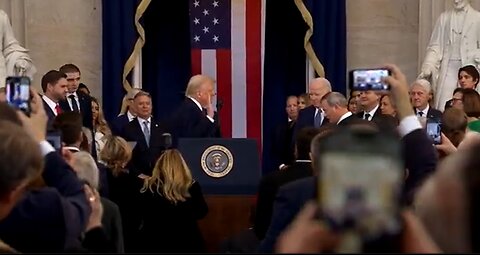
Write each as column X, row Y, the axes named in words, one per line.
column 284, row 68
column 119, row 35
column 330, row 38
column 166, row 54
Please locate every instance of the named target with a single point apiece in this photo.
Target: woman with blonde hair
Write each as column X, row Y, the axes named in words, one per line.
column 100, row 126
column 123, row 187
column 172, row 203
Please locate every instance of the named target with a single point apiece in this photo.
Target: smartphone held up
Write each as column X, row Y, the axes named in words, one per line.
column 369, row 79
column 18, row 93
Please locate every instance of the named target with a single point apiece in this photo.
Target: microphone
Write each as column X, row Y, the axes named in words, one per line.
column 167, row 140
column 219, row 104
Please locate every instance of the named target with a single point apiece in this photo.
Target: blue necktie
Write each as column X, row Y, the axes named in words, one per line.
column 146, row 132
column 318, row 119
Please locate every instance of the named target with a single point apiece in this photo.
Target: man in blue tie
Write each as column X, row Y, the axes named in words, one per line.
column 313, row 116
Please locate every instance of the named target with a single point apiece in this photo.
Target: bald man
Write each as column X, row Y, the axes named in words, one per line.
column 195, row 117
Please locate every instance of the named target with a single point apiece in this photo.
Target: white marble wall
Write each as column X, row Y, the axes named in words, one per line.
column 383, row 31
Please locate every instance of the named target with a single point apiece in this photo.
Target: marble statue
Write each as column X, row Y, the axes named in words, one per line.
column 14, row 59
column 455, row 42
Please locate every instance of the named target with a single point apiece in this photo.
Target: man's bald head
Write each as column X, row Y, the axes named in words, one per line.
column 318, row 88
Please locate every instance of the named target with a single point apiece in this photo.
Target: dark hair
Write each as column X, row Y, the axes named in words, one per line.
column 69, row 68
column 51, row 77
column 9, row 114
column 303, row 141
column 472, row 71
column 70, row 125
column 471, row 178
column 454, row 125
column 20, row 157
column 83, row 86
column 459, row 89
column 471, row 103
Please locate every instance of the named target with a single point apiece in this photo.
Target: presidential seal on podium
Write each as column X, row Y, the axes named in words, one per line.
column 217, row 161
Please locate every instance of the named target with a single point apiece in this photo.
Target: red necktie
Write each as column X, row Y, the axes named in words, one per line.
column 58, row 109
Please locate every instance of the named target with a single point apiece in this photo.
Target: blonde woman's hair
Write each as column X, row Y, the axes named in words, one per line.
column 115, row 154
column 100, row 123
column 129, row 96
column 171, row 177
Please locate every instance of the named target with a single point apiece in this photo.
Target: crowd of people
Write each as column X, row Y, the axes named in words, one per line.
column 120, row 186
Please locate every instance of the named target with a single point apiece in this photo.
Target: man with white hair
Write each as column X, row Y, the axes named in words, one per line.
column 420, row 96
column 335, row 106
column 313, row 116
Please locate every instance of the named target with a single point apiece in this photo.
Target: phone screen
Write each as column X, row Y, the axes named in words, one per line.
column 434, row 131
column 360, row 192
column 369, row 79
column 18, row 93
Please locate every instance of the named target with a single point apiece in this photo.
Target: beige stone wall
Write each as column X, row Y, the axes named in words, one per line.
column 383, row 31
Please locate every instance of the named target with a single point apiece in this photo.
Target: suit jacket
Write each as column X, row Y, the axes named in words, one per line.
column 112, row 224
column 419, row 158
column 267, row 190
column 306, row 119
column 189, row 121
column 384, row 122
column 85, row 108
column 348, row 120
column 144, row 156
column 49, row 219
column 118, row 124
column 434, row 114
column 50, row 114
column 281, row 146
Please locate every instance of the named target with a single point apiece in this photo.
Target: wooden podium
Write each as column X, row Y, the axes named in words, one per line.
column 228, row 171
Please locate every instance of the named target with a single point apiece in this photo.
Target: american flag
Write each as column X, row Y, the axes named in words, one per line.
column 226, row 38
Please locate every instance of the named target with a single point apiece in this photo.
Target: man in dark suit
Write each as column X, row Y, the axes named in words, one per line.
column 270, row 183
column 76, row 100
column 420, row 95
column 122, row 120
column 146, row 133
column 54, row 86
column 370, row 103
column 281, row 146
column 313, row 116
column 419, row 157
column 335, row 106
column 195, row 117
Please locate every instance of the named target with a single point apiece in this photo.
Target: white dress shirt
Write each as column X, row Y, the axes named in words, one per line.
column 69, row 100
column 344, row 116
column 130, row 116
column 372, row 112
column 50, row 104
column 424, row 111
column 201, row 108
column 149, row 123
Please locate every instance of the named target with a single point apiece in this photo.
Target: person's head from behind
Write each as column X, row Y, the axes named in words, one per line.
column 454, row 125
column 420, row 93
column 84, row 89
column 317, row 88
column 20, row 163
column 86, row 168
column 73, row 76
column 70, row 126
column 3, row 95
column 448, row 202
column 54, row 85
column 387, row 105
column 292, row 107
column 303, row 101
column 334, row 105
column 116, row 154
column 201, row 88
column 468, row 77
column 304, row 139
column 471, row 103
column 171, row 177
column 143, row 104
column 8, row 113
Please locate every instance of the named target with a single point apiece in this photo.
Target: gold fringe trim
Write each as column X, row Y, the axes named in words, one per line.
column 307, row 17
column 130, row 63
